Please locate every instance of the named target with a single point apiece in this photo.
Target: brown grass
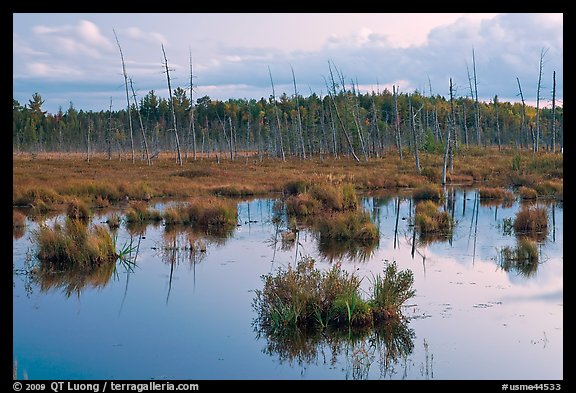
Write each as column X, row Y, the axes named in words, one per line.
column 49, row 179
column 527, row 193
column 531, row 219
column 430, row 220
column 496, row 193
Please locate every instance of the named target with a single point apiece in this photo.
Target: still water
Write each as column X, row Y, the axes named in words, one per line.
column 187, row 314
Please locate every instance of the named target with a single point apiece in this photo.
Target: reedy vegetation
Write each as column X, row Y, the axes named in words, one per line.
column 306, row 297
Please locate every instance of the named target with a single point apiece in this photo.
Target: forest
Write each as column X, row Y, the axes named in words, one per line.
column 342, row 122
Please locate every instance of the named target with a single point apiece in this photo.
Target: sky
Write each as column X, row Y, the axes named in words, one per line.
column 74, row 57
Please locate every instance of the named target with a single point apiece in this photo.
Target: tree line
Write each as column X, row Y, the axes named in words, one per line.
column 343, row 122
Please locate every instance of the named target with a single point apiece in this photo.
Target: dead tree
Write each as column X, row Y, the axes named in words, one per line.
column 141, row 124
column 554, row 112
column 450, row 125
column 332, row 93
column 413, row 127
column 497, row 122
column 179, row 159
column 397, row 121
column 476, row 98
column 542, row 54
column 301, row 133
column 108, row 132
column 523, row 124
column 191, row 125
column 127, row 97
column 277, row 117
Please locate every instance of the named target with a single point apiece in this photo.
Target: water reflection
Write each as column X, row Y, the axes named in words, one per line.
column 73, row 280
column 385, row 345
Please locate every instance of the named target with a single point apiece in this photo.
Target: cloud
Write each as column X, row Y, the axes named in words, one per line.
column 91, row 35
column 149, row 37
column 506, row 46
column 83, row 39
column 51, row 71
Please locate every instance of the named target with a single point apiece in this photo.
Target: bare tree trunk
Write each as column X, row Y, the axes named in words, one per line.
column 542, row 54
column 397, row 121
column 523, row 124
column 554, row 112
column 465, row 125
column 88, row 140
column 447, row 140
column 476, row 98
column 413, row 127
column 299, row 118
column 192, row 106
column 179, row 159
column 127, row 97
column 332, row 94
column 277, row 117
column 496, row 106
column 141, row 124
column 108, row 133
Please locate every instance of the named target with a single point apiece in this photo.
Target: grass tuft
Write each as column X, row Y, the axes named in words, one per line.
column 430, row 220
column 531, row 219
column 495, row 193
column 77, row 210
column 74, row 245
column 139, row 212
column 305, row 297
column 430, row 192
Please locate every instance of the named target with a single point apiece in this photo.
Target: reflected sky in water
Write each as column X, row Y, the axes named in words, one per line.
column 187, row 314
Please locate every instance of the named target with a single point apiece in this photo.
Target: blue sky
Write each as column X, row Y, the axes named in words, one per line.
column 73, row 57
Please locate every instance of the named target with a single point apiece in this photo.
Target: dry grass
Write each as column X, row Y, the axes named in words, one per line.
column 527, row 193
column 496, row 193
column 207, row 212
column 139, row 212
column 306, row 297
column 430, row 220
column 74, row 245
column 54, row 178
column 531, row 219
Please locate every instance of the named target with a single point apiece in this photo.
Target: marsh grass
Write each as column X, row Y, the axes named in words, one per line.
column 139, row 212
column 495, row 193
column 113, row 221
column 52, row 178
column 306, row 297
column 431, row 192
column 522, row 259
column 430, row 220
column 77, row 210
column 211, row 212
column 527, row 193
column 74, row 245
column 531, row 220
column 351, row 226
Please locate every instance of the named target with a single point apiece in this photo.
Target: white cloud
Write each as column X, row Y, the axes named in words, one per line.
column 91, row 34
column 51, row 71
column 150, row 37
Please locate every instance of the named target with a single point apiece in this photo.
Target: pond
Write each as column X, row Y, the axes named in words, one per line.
column 185, row 309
